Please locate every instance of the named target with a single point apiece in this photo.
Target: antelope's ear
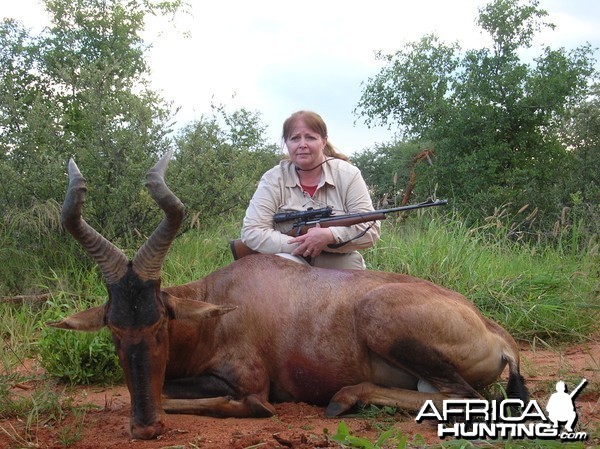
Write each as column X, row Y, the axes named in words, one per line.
column 193, row 310
column 90, row 320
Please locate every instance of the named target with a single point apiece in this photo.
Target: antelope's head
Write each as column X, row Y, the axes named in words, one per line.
column 137, row 311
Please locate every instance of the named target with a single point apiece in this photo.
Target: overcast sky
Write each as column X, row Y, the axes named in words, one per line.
column 277, row 56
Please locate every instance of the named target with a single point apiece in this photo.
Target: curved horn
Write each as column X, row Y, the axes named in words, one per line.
column 150, row 257
column 111, row 260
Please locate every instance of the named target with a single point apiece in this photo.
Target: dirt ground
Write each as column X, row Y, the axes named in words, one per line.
column 295, row 425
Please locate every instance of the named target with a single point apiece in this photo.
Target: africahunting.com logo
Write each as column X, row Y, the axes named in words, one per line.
column 509, row 418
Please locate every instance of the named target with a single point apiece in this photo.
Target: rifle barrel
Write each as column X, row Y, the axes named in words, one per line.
column 414, row 206
column 372, row 215
column 577, row 388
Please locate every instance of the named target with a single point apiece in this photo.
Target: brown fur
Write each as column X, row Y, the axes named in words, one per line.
column 265, row 328
column 305, row 333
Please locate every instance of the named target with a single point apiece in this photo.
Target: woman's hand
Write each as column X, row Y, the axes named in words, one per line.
column 313, row 242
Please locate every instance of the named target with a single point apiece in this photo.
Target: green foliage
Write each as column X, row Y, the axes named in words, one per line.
column 581, row 133
column 345, row 438
column 111, row 122
column 200, row 252
column 43, row 408
column 80, row 89
column 219, row 162
column 29, row 245
column 392, row 438
column 77, row 357
column 535, row 291
column 80, row 358
column 386, row 169
column 19, row 333
column 494, row 119
column 412, row 88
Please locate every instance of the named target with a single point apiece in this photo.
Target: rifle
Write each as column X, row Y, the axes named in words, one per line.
column 325, row 218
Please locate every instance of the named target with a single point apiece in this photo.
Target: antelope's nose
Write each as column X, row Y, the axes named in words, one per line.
column 147, row 432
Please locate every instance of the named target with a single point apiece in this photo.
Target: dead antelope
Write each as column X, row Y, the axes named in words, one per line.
column 265, row 329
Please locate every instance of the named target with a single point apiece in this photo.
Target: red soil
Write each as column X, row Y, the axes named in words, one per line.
column 295, row 425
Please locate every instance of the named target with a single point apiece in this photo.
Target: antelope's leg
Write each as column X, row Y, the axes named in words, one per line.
column 368, row 393
column 223, row 406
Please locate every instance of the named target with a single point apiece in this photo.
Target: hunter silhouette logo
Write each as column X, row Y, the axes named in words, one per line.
column 560, row 406
column 509, row 418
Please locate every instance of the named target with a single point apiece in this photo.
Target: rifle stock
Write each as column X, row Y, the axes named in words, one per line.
column 239, row 249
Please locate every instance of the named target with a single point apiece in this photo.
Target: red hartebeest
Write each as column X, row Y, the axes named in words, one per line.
column 332, row 337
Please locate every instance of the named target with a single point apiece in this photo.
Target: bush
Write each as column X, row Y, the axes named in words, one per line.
column 77, row 357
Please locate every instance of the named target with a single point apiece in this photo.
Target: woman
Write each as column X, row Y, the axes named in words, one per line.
column 314, row 176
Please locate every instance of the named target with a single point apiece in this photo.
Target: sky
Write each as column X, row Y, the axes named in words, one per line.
column 277, row 56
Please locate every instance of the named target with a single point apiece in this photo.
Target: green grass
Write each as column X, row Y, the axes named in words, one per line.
column 534, row 291
column 45, row 407
column 18, row 330
column 195, row 253
column 392, row 438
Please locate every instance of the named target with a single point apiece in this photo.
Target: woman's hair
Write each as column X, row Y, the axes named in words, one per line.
column 316, row 124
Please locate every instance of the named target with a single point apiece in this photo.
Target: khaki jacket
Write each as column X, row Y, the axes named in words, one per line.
column 341, row 187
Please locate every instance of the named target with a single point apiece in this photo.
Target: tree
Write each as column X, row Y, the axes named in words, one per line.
column 27, row 120
column 386, row 169
column 493, row 118
column 219, row 162
column 580, row 133
column 78, row 89
column 111, row 121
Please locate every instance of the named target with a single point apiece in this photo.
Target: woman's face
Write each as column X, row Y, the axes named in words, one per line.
column 305, row 146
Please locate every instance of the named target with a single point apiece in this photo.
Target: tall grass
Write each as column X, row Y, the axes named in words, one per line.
column 197, row 253
column 18, row 329
column 547, row 292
